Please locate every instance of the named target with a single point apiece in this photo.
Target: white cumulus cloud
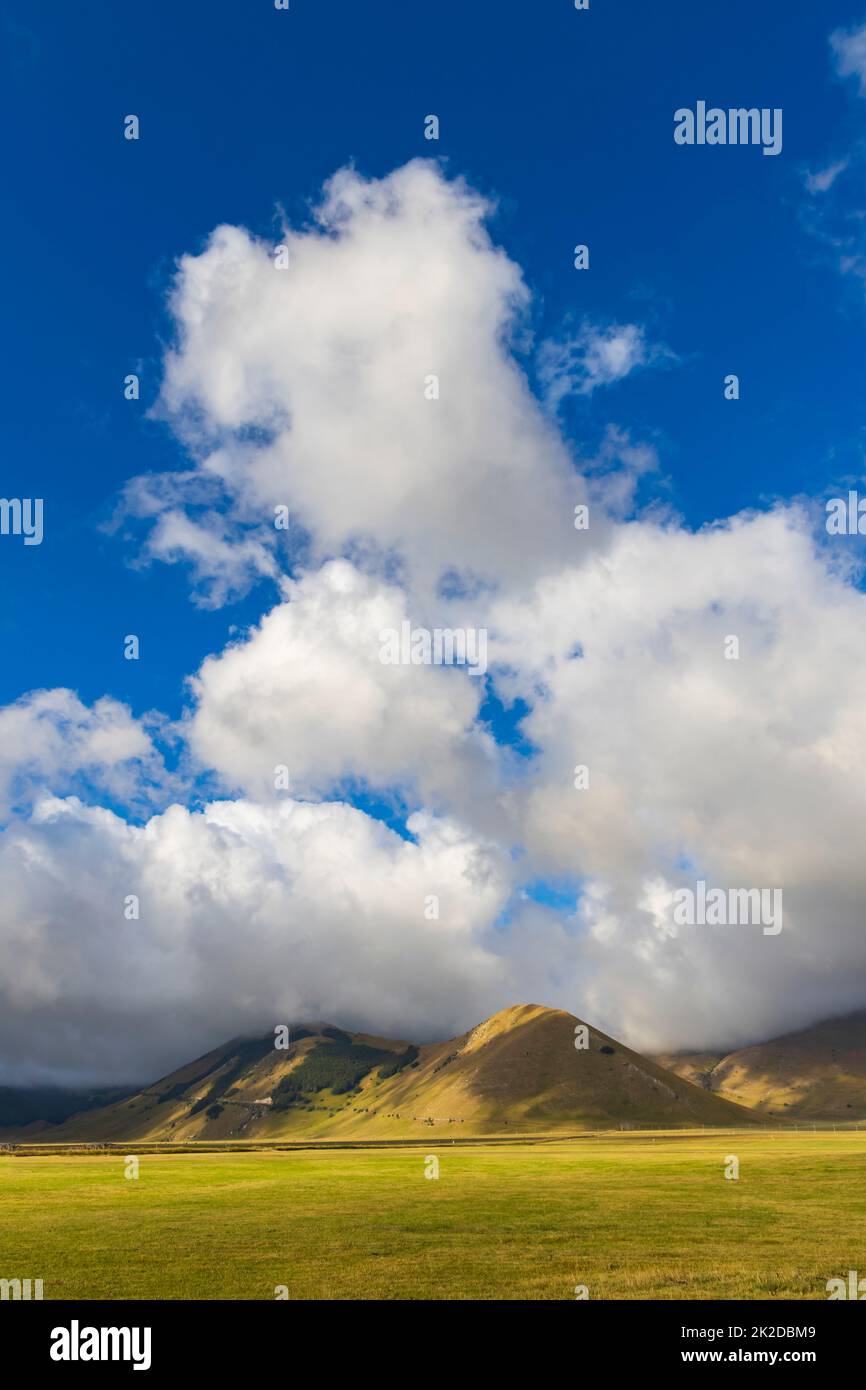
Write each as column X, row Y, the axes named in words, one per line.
column 310, row 388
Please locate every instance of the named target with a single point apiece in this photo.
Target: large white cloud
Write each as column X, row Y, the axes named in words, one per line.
column 308, row 696
column 51, row 738
column 310, row 386
column 305, row 388
column 741, row 771
column 250, row 916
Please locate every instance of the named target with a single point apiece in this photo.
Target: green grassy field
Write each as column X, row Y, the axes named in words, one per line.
column 629, row 1216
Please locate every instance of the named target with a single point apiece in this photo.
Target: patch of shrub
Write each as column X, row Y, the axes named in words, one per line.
column 398, row 1062
column 451, row 1058
column 333, row 1066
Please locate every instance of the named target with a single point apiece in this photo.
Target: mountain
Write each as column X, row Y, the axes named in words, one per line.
column 818, row 1073
column 24, row 1105
column 517, row 1073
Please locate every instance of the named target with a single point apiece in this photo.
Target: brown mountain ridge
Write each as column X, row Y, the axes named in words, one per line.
column 816, row 1073
column 519, row 1072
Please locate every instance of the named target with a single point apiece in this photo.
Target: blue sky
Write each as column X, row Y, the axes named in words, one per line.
column 565, row 117
column 608, row 647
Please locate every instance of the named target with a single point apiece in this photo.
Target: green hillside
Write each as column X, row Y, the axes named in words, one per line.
column 519, row 1072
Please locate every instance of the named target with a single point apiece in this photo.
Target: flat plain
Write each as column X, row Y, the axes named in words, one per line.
column 634, row 1215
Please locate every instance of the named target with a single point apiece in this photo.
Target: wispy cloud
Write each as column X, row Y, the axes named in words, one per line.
column 849, row 48
column 823, row 179
column 594, row 357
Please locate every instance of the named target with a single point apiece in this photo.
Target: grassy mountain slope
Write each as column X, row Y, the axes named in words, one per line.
column 517, row 1073
column 818, row 1073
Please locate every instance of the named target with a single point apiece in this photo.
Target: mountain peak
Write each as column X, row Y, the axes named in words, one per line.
column 505, row 1020
column 523, row 1070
